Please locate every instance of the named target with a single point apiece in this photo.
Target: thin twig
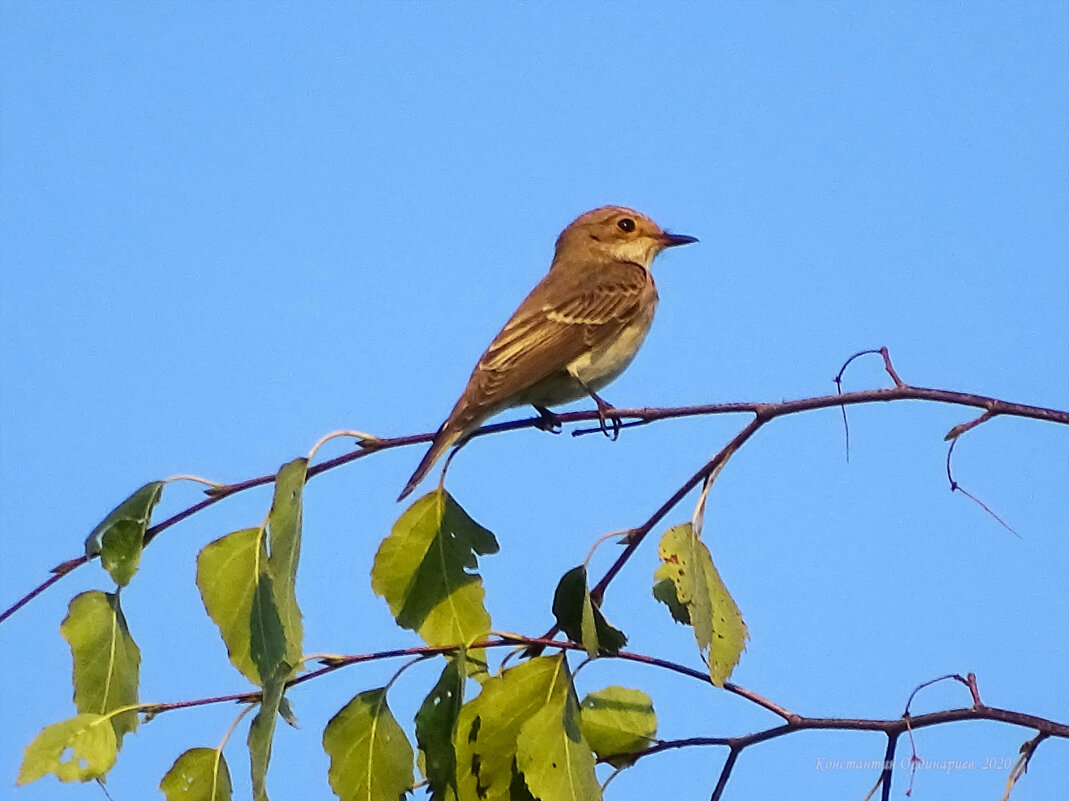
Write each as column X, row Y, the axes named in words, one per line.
column 640, row 533
column 892, row 728
column 888, row 767
column 890, row 368
column 640, row 416
column 961, row 428
column 58, row 572
column 839, row 391
column 930, row 682
column 725, row 774
column 839, row 386
column 793, row 722
column 956, row 487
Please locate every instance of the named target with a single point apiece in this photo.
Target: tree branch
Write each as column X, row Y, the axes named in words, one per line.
column 793, row 722
column 763, row 412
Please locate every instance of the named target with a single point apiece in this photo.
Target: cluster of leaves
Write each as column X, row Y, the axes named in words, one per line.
column 524, row 735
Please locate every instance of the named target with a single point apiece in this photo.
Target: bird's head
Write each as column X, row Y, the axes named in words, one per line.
column 617, row 233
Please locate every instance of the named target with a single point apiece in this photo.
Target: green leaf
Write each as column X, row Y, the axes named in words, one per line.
column 489, row 724
column 581, row 620
column 518, row 787
column 200, row 774
column 262, row 730
column 665, row 592
column 120, row 537
column 370, row 757
column 107, row 661
column 285, row 711
column 228, row 576
column 716, row 620
column 476, row 666
column 284, row 544
column 267, row 640
column 618, row 721
column 421, row 570
column 247, row 581
column 78, row 749
column 556, row 762
column 436, row 724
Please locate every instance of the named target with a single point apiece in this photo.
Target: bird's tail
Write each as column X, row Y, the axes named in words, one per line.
column 447, row 435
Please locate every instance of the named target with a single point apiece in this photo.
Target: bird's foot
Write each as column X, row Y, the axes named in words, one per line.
column 548, row 421
column 608, row 419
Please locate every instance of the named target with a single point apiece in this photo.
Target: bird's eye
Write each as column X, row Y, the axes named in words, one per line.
column 627, row 225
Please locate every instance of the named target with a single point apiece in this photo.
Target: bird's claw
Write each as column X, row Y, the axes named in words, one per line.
column 548, row 421
column 608, row 418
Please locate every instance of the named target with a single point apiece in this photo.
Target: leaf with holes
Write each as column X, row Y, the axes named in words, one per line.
column 436, row 724
column 718, row 627
column 422, row 570
column 555, row 759
column 199, row 774
column 78, row 749
column 490, row 723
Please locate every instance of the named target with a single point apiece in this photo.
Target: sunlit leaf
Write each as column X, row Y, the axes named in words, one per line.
column 120, row 537
column 517, row 788
column 284, row 544
column 247, row 581
column 262, row 730
column 199, row 774
column 716, row 620
column 476, row 666
column 1020, row 767
column 227, row 576
column 107, row 661
column 436, row 724
column 580, row 619
column 370, row 757
column 489, row 724
column 285, row 711
column 618, row 721
column 78, row 749
column 665, row 592
column 422, row 570
column 267, row 640
column 556, row 762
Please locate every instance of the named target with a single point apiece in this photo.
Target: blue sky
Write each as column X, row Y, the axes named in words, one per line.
column 230, row 228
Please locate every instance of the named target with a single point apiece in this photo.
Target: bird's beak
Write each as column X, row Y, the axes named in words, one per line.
column 672, row 240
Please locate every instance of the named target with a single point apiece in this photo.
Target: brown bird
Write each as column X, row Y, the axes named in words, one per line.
column 576, row 332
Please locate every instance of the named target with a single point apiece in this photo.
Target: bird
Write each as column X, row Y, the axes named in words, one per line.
column 576, row 331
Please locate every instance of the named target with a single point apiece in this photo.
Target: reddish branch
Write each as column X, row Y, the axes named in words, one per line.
column 955, row 486
column 792, row 722
column 763, row 413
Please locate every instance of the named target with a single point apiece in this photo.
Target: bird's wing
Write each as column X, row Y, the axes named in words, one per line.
column 565, row 316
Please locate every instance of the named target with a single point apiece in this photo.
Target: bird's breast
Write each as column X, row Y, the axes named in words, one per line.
column 602, row 365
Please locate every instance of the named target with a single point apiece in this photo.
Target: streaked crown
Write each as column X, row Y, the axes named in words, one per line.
column 617, row 233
